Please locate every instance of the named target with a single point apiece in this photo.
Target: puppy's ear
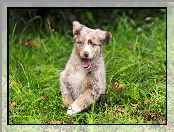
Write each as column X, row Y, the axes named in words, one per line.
column 104, row 36
column 77, row 27
column 108, row 36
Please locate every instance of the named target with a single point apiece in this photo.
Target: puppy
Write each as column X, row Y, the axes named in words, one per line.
column 83, row 79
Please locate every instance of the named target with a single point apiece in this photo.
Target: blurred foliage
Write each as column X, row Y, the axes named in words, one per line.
column 61, row 19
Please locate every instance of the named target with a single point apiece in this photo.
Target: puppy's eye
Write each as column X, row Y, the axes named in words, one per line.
column 80, row 43
column 94, row 45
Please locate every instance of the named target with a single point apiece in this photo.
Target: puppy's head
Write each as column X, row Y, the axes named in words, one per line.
column 88, row 42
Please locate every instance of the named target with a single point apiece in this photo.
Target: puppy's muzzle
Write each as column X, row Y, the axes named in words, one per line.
column 86, row 54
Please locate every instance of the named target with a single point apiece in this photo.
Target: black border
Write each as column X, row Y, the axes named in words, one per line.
column 8, row 8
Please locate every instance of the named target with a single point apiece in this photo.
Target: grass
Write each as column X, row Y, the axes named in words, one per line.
column 134, row 58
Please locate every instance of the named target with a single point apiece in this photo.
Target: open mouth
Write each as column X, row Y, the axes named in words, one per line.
column 86, row 63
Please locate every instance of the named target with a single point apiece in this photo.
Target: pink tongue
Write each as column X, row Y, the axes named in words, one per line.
column 85, row 63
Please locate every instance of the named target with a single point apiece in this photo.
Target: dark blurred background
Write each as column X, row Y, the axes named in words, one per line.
column 60, row 19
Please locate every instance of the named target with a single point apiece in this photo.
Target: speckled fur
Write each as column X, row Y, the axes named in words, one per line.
column 80, row 86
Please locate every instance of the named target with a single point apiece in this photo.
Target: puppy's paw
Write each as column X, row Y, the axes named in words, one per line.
column 70, row 111
column 73, row 109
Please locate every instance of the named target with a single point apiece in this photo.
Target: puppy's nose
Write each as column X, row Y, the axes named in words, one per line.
column 86, row 54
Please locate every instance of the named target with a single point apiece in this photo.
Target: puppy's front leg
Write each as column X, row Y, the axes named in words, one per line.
column 66, row 96
column 82, row 102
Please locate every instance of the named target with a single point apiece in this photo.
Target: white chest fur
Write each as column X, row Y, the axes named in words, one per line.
column 78, row 80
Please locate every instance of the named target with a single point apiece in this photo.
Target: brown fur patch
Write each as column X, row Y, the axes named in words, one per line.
column 67, row 100
column 84, row 100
